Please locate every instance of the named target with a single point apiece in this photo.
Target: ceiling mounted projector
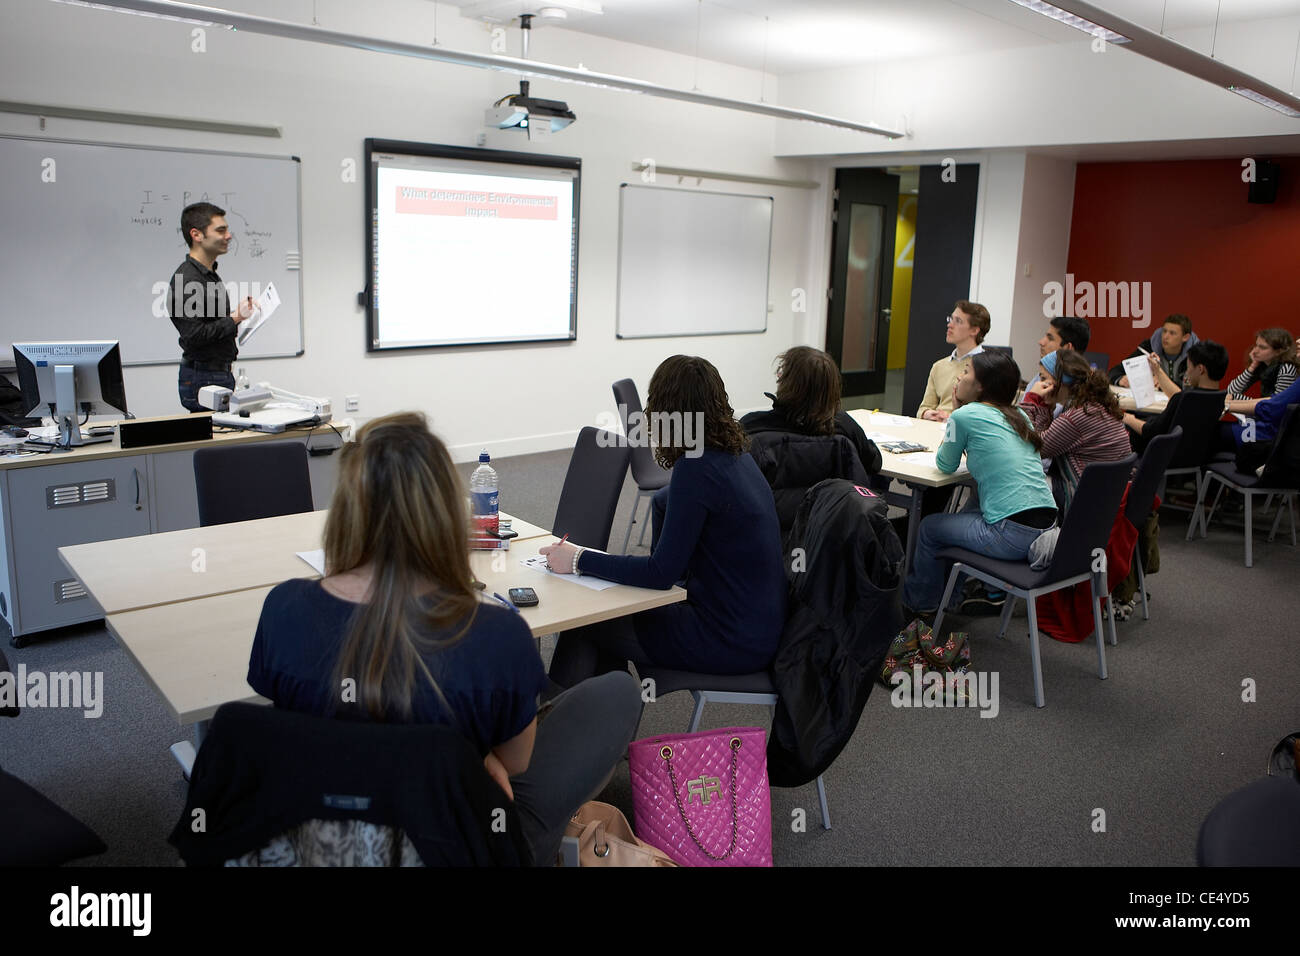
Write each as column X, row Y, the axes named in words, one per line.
column 520, row 111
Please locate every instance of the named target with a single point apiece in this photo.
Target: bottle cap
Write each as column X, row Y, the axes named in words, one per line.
column 484, row 456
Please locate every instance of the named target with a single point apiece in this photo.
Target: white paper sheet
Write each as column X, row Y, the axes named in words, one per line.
column 538, row 563
column 891, row 421
column 1140, row 380
column 927, row 458
column 263, row 308
column 315, row 558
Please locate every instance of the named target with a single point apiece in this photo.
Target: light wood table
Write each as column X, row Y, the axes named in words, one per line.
column 195, row 653
column 147, row 570
column 1125, row 396
column 917, row 476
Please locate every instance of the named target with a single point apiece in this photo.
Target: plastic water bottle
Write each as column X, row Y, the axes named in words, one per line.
column 243, row 380
column 484, row 496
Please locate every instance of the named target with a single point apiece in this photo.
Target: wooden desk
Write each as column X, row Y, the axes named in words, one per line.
column 195, row 653
column 917, row 476
column 1125, row 396
column 99, row 493
column 148, row 570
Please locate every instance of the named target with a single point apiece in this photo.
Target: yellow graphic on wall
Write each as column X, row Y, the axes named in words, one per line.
column 901, row 298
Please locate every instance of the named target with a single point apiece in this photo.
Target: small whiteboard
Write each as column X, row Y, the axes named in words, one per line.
column 692, row 262
column 92, row 236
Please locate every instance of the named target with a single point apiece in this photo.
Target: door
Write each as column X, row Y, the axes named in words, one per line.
column 862, row 256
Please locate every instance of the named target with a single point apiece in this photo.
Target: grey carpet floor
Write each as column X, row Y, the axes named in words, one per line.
column 1115, row 772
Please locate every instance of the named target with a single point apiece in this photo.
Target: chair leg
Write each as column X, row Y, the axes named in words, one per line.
column 955, row 573
column 1142, row 583
column 821, row 798
column 1205, row 522
column 1034, row 655
column 1290, row 507
column 636, row 503
column 700, row 700
column 1250, row 527
column 1098, row 589
column 1007, row 608
column 1198, row 513
column 645, row 523
column 1110, row 606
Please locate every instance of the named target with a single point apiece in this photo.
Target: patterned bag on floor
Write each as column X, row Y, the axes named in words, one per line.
column 703, row 798
column 916, row 645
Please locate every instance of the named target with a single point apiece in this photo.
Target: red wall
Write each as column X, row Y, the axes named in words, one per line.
column 1186, row 228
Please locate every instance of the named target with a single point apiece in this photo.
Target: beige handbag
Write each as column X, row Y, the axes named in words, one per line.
column 605, row 839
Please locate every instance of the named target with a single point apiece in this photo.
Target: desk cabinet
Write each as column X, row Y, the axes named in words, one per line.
column 85, row 496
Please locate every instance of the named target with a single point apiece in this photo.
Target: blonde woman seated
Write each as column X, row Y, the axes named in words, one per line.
column 397, row 632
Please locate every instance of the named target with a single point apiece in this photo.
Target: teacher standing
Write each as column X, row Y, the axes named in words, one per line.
column 200, row 307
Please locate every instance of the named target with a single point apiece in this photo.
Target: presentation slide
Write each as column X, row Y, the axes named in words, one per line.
column 468, row 252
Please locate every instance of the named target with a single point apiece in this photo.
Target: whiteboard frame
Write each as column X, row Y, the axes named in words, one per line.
column 302, row 343
column 767, row 275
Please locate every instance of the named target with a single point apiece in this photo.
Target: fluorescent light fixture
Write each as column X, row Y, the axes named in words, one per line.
column 155, row 16
column 1170, row 53
column 1071, row 20
column 1265, row 100
column 191, row 13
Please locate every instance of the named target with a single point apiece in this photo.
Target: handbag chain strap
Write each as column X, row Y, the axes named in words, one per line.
column 667, row 754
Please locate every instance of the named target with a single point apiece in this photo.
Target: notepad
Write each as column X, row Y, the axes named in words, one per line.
column 538, row 563
column 891, row 421
column 315, row 558
column 927, row 458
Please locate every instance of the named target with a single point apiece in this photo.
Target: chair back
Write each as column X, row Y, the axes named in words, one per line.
column 592, row 485
column 1282, row 469
column 645, row 470
column 999, row 348
column 258, row 480
column 1098, row 360
column 1198, row 414
column 1150, row 470
column 1091, row 516
column 312, row 790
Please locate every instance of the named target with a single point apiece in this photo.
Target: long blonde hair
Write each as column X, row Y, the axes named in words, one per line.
column 400, row 506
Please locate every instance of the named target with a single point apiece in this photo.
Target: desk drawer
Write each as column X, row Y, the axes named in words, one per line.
column 64, row 504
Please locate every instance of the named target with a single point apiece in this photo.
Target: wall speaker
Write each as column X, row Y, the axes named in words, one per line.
column 1264, row 188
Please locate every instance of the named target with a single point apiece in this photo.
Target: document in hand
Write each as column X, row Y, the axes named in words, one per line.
column 263, row 309
column 1140, row 380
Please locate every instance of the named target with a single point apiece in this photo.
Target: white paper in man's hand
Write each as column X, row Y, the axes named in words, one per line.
column 1140, row 380
column 263, row 308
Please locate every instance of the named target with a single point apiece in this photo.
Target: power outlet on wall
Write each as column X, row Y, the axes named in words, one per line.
column 352, row 403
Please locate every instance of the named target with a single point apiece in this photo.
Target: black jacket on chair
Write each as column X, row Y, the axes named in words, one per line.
column 844, row 611
column 263, row 771
column 794, row 463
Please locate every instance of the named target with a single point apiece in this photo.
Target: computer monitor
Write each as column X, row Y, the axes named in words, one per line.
column 67, row 379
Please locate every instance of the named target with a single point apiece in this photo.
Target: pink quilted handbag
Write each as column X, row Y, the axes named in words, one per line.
column 703, row 798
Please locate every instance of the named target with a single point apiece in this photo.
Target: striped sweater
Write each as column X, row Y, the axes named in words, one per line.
column 1272, row 379
column 1081, row 435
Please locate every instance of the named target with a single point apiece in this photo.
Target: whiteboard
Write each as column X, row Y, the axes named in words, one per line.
column 91, row 230
column 692, row 262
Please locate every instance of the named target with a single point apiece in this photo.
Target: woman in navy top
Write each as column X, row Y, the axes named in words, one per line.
column 396, row 632
column 720, row 538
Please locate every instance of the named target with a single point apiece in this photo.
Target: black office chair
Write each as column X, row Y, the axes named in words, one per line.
column 245, row 482
column 999, row 348
column 36, row 831
column 1198, row 415
column 647, row 474
column 280, row 788
column 1098, row 360
column 1086, row 529
column 1280, row 477
column 1142, row 495
column 1258, row 825
column 592, row 485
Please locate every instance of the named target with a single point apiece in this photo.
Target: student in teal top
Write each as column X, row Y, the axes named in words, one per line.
column 1002, row 452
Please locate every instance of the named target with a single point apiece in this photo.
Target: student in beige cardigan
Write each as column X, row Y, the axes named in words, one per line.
column 967, row 326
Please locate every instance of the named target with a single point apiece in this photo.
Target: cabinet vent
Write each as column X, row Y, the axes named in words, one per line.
column 84, row 493
column 68, row 590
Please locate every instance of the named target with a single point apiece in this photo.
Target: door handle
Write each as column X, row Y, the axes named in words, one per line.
column 886, row 313
column 136, row 473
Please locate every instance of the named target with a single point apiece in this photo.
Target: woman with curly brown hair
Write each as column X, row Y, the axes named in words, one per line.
column 1089, row 428
column 720, row 538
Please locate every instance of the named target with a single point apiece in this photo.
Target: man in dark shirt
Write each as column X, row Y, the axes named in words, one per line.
column 200, row 308
column 1207, row 362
